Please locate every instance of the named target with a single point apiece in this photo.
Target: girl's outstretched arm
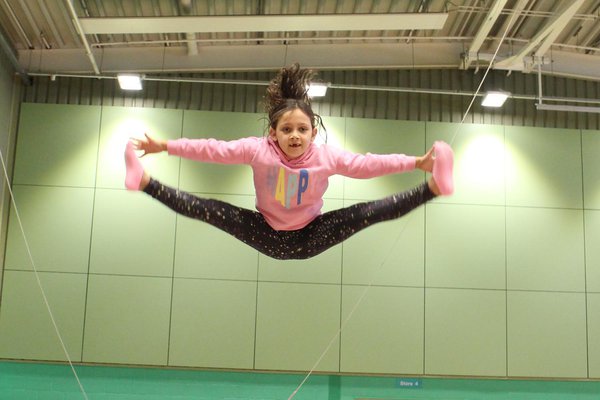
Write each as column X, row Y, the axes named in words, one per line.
column 149, row 145
column 363, row 166
column 238, row 151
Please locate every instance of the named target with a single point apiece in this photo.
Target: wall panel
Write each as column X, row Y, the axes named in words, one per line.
column 482, row 283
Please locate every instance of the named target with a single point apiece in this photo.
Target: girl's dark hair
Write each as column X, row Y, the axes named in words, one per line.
column 288, row 91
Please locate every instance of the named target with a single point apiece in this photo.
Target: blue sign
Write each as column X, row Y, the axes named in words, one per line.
column 409, row 383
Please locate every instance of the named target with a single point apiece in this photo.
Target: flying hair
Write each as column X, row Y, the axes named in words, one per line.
column 288, row 91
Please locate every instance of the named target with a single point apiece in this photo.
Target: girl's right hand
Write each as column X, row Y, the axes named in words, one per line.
column 149, row 145
column 425, row 162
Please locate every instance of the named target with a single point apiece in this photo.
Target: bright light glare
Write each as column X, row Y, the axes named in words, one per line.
column 317, row 89
column 483, row 163
column 494, row 99
column 130, row 81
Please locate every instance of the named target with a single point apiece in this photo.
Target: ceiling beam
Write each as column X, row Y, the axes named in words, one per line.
column 482, row 33
column 159, row 59
column 264, row 23
column 509, row 22
column 591, row 36
column 88, row 50
column 560, row 24
column 543, row 39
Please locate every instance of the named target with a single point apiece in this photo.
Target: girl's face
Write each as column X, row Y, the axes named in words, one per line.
column 293, row 133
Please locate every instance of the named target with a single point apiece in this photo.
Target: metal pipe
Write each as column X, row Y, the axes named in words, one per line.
column 266, row 83
column 330, row 85
column 15, row 20
column 88, row 50
column 333, row 39
column 192, row 47
column 539, row 82
column 86, row 12
column 561, row 107
column 12, row 57
column 527, row 13
column 31, row 20
column 296, row 39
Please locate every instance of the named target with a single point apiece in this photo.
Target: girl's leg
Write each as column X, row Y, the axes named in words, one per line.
column 324, row 232
column 246, row 225
column 334, row 227
column 250, row 227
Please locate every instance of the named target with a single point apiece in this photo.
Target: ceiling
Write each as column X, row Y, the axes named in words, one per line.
column 103, row 37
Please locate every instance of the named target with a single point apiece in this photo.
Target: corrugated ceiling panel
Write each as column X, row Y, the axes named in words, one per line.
column 345, row 102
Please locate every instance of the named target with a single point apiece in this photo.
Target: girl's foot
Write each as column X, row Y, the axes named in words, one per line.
column 134, row 169
column 433, row 187
column 442, row 168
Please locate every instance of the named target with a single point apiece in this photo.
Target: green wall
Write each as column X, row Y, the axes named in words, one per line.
column 9, row 91
column 500, row 280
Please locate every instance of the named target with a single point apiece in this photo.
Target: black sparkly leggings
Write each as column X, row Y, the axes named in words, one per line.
column 323, row 232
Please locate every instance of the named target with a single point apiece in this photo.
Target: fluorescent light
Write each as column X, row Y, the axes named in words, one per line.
column 494, row 99
column 565, row 107
column 317, row 89
column 130, row 81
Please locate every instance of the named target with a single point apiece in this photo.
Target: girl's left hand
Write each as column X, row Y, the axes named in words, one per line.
column 149, row 145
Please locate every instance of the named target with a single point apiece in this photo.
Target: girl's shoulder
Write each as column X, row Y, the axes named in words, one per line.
column 252, row 141
column 329, row 149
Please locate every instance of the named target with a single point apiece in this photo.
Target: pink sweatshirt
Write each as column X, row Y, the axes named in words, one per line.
column 289, row 193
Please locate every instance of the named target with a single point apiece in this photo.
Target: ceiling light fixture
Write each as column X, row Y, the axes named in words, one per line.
column 567, row 108
column 317, row 89
column 495, row 99
column 130, row 81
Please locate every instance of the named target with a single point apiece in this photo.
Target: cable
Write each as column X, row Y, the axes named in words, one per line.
column 343, row 324
column 37, row 277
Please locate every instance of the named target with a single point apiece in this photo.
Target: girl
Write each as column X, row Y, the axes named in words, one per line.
column 291, row 176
